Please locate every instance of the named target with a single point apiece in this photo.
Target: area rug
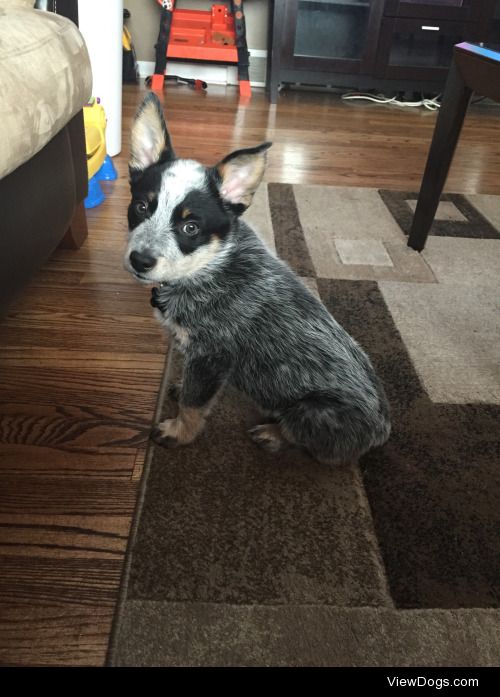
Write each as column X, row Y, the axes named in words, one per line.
column 242, row 558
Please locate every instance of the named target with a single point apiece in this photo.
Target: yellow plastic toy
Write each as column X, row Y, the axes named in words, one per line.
column 99, row 165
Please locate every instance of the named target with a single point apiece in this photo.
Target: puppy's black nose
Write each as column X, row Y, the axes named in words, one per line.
column 142, row 261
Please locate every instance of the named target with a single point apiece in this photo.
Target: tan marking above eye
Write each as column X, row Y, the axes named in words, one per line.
column 185, row 213
column 150, row 196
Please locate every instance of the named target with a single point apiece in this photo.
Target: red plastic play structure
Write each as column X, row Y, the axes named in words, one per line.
column 216, row 35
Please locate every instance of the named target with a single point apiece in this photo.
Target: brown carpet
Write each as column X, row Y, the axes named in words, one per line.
column 239, row 557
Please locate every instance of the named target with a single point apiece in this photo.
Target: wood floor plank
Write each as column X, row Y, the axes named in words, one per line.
column 37, row 460
column 48, row 635
column 37, row 580
column 53, row 496
column 99, row 537
column 81, row 357
column 118, row 390
column 57, row 357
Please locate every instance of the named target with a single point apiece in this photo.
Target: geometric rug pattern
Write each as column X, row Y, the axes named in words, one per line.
column 241, row 557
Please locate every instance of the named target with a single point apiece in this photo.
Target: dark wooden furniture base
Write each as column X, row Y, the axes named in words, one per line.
column 77, row 232
column 388, row 45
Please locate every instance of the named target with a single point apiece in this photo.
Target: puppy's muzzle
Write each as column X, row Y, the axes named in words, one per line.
column 142, row 261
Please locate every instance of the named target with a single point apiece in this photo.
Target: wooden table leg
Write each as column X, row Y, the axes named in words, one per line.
column 449, row 123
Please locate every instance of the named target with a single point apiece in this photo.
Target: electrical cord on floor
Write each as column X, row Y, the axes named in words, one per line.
column 431, row 104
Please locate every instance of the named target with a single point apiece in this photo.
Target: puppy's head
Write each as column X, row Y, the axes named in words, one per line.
column 181, row 212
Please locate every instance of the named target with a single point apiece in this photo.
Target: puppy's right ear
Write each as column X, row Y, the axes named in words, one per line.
column 150, row 142
column 240, row 173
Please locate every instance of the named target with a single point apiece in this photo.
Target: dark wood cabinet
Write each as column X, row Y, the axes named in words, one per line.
column 465, row 10
column 365, row 44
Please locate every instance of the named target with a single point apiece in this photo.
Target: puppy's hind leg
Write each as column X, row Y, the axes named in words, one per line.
column 333, row 431
column 270, row 436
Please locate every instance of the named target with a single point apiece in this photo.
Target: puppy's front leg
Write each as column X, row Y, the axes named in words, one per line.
column 203, row 377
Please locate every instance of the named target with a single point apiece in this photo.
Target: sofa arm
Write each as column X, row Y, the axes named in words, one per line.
column 67, row 8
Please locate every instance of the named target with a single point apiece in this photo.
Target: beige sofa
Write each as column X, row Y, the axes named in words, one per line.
column 45, row 79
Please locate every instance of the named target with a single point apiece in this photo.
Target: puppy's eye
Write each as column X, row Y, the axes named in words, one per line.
column 190, row 229
column 141, row 208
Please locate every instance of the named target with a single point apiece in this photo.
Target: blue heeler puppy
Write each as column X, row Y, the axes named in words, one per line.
column 239, row 314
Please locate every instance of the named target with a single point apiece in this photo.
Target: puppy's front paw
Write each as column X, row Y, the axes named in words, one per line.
column 267, row 436
column 155, row 299
column 174, row 391
column 161, row 436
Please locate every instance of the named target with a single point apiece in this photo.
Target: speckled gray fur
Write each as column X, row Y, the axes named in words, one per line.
column 246, row 319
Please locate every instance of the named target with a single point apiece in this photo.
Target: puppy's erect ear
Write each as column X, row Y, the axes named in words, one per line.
column 240, row 173
column 150, row 142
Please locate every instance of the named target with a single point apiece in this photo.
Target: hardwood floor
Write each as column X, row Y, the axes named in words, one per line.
column 81, row 357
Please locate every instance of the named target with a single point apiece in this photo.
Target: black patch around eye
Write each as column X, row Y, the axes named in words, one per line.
column 145, row 186
column 140, row 209
column 207, row 213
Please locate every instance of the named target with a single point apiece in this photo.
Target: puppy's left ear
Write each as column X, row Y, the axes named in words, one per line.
column 240, row 173
column 150, row 142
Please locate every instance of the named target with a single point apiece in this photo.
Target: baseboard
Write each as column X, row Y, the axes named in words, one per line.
column 211, row 73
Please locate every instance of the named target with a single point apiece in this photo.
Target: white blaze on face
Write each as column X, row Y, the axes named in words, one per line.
column 182, row 177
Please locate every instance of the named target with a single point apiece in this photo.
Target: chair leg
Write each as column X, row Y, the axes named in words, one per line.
column 448, row 126
column 77, row 232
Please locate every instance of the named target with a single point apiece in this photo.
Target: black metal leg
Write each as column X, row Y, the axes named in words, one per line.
column 241, row 38
column 273, row 89
column 275, row 43
column 449, row 123
column 162, row 42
